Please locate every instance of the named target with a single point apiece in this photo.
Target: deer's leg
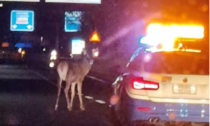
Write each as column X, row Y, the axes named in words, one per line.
column 72, row 95
column 79, row 88
column 58, row 95
column 66, row 91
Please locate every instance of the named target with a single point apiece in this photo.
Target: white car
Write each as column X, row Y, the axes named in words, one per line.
column 164, row 86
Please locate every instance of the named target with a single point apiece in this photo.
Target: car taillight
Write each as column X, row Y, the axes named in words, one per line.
column 141, row 84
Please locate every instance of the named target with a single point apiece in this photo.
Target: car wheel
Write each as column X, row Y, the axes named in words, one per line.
column 121, row 111
column 121, row 117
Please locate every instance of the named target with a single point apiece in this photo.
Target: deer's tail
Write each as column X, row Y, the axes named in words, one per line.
column 62, row 70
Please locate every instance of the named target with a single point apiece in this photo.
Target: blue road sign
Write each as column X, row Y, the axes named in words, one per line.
column 73, row 21
column 22, row 20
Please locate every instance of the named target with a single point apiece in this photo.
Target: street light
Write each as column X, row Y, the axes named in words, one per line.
column 1, row 4
column 95, row 52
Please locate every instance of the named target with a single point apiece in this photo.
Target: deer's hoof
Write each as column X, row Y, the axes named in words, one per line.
column 56, row 108
column 82, row 108
column 69, row 108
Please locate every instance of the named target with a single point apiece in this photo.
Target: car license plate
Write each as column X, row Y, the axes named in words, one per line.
column 184, row 89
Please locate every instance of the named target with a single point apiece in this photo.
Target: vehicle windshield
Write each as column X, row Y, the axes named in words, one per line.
column 70, row 62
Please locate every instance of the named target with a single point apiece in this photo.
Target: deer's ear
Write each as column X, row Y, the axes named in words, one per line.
column 84, row 52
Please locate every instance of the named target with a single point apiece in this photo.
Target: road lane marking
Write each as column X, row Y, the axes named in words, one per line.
column 95, row 78
column 100, row 101
column 45, row 78
column 89, row 97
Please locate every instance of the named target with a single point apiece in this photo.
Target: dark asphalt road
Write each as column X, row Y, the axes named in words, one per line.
column 27, row 98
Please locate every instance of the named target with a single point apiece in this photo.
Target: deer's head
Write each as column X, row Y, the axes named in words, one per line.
column 87, row 57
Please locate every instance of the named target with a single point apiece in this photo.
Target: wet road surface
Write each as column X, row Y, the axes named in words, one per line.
column 28, row 98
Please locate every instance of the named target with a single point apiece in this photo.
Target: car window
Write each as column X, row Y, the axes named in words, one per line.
column 135, row 54
column 172, row 63
column 135, row 63
column 177, row 63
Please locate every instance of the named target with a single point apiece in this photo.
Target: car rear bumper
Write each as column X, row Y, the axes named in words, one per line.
column 145, row 110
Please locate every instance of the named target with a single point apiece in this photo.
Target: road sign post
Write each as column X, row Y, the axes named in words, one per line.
column 95, row 40
column 22, row 20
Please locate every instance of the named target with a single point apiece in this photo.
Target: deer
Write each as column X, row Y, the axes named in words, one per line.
column 73, row 73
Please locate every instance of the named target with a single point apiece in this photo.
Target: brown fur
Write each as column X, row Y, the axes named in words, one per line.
column 73, row 73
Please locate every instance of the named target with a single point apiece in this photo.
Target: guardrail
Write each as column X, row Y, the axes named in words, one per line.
column 39, row 60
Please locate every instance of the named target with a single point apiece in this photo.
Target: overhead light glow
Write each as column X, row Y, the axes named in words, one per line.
column 169, row 50
column 185, row 31
column 166, row 35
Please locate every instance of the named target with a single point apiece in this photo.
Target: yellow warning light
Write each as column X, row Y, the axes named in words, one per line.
column 95, row 37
